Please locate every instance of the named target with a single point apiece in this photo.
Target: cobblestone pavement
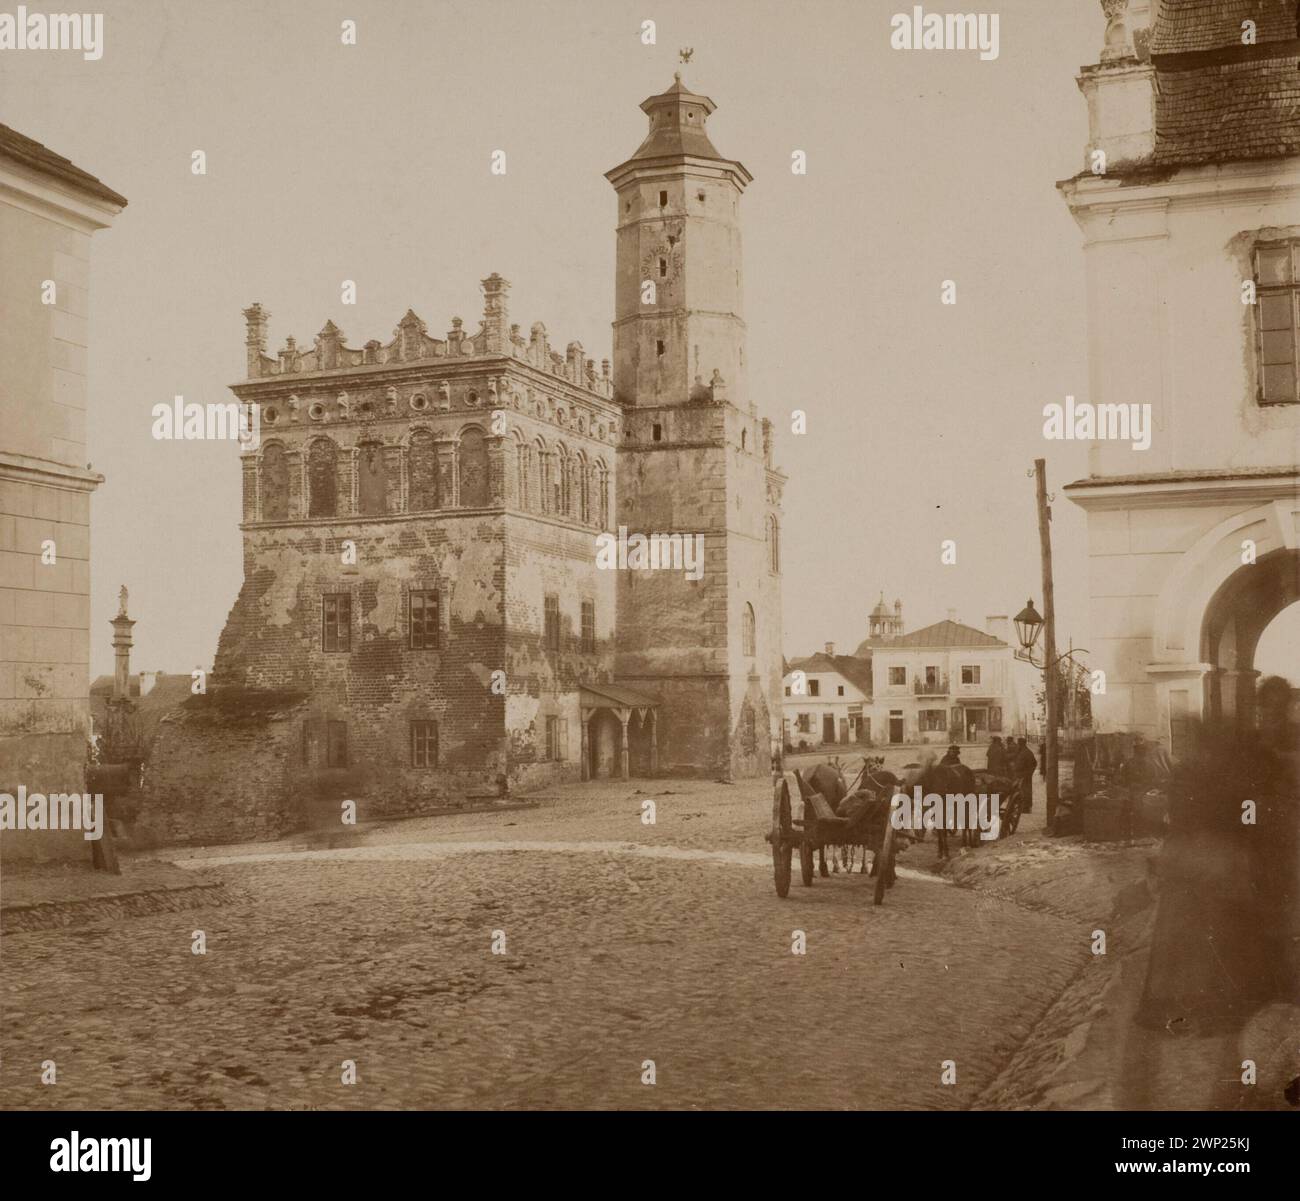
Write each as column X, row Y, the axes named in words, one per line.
column 380, row 951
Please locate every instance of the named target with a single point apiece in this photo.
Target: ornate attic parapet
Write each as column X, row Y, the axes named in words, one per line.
column 411, row 343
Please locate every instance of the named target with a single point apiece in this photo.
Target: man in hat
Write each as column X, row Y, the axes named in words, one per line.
column 1023, row 765
column 997, row 760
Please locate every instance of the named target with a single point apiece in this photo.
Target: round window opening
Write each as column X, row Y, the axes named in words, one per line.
column 316, row 411
column 269, row 416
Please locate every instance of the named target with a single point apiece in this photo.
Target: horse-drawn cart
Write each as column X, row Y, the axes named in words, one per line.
column 817, row 826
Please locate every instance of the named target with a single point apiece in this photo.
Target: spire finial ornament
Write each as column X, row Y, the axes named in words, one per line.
column 684, row 55
column 121, row 601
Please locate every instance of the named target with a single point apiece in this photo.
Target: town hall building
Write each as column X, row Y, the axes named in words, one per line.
column 422, row 601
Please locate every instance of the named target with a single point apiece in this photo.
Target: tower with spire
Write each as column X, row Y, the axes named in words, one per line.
column 695, row 457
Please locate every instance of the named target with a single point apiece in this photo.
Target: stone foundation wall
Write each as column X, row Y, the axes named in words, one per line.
column 215, row 778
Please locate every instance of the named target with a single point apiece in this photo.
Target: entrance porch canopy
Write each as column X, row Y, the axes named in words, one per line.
column 622, row 703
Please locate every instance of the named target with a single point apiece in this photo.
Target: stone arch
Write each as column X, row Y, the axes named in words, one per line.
column 273, row 482
column 748, row 631
column 1234, row 619
column 1208, row 564
column 323, row 478
column 422, row 470
column 472, row 467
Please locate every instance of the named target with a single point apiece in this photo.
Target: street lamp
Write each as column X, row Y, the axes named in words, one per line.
column 1028, row 626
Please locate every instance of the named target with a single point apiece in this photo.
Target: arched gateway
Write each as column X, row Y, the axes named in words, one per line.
column 1183, row 588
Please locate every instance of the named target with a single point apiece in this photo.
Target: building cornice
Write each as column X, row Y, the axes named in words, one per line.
column 674, row 165
column 1185, row 488
column 1157, row 191
column 25, row 469
column 40, row 194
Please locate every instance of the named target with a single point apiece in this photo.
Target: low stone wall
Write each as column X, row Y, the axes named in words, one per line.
column 216, row 776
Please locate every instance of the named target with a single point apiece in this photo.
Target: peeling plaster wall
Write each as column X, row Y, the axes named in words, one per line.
column 273, row 640
column 548, row 557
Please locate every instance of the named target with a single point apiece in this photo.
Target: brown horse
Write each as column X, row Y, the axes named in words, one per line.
column 828, row 779
column 943, row 779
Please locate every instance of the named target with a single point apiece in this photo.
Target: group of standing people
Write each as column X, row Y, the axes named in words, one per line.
column 1016, row 761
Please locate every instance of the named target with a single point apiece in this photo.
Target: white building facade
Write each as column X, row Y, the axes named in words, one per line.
column 948, row 682
column 827, row 700
column 1192, row 251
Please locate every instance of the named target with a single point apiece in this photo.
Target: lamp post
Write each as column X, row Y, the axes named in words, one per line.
column 1029, row 625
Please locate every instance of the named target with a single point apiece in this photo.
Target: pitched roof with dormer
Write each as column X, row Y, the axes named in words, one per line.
column 854, row 668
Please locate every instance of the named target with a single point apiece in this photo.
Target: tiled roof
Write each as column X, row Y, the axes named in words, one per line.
column 1233, row 110
column 941, row 634
column 28, row 153
column 1183, row 26
column 854, row 668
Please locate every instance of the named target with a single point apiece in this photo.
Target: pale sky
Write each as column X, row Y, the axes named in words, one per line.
column 371, row 162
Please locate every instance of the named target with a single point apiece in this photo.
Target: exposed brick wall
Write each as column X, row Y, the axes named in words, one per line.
column 215, row 778
column 273, row 639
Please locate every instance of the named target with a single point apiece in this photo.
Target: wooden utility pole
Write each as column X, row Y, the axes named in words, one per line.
column 1049, row 638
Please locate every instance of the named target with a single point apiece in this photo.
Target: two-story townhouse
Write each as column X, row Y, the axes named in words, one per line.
column 947, row 682
column 827, row 699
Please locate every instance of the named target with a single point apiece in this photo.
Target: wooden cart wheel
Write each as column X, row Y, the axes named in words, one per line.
column 884, row 867
column 1012, row 818
column 807, row 860
column 782, row 858
column 782, row 839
